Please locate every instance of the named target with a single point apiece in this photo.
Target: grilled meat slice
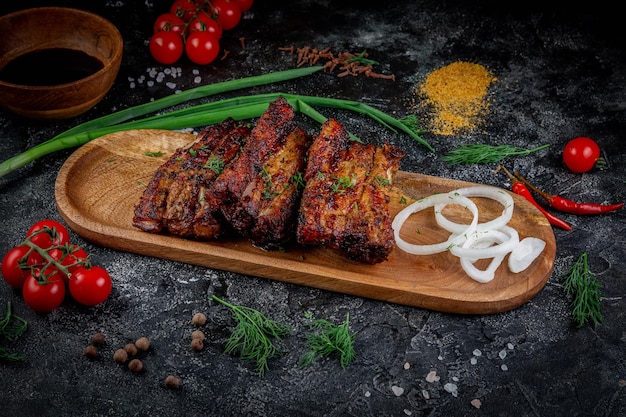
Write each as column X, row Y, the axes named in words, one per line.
column 173, row 199
column 257, row 194
column 345, row 203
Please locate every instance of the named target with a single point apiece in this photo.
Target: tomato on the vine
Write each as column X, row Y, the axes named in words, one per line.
column 57, row 234
column 202, row 22
column 12, row 270
column 168, row 22
column 185, row 9
column 43, row 297
column 245, row 5
column 75, row 258
column 581, row 154
column 202, row 47
column 228, row 13
column 166, row 47
column 90, row 286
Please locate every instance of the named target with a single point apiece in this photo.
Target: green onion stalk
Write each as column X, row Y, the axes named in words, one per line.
column 238, row 108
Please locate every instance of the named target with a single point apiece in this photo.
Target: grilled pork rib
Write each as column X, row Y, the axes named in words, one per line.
column 173, row 199
column 258, row 193
column 345, row 203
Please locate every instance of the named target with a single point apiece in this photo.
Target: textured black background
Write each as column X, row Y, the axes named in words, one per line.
column 561, row 74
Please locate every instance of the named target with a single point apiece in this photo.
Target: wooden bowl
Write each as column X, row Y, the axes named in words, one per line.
column 46, row 42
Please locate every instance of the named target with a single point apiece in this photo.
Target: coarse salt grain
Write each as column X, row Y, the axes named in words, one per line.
column 432, row 376
column 398, row 391
column 476, row 403
column 451, row 388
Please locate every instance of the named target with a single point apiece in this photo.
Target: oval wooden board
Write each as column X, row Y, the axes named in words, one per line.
column 100, row 183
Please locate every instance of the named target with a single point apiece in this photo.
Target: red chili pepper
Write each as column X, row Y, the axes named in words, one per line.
column 569, row 206
column 520, row 188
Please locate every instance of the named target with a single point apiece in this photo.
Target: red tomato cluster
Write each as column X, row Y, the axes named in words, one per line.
column 46, row 265
column 194, row 28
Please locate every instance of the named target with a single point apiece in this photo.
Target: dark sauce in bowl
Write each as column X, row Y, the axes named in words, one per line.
column 47, row 67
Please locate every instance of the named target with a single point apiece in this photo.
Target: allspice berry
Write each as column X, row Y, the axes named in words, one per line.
column 135, row 365
column 90, row 351
column 98, row 339
column 172, row 381
column 131, row 349
column 197, row 344
column 120, row 356
column 142, row 343
column 199, row 319
column 198, row 334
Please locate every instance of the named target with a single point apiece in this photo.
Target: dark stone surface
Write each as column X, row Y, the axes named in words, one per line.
column 562, row 73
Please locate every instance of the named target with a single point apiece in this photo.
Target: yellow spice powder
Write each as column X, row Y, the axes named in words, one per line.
column 456, row 95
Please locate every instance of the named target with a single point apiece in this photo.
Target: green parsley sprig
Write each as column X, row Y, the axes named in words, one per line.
column 252, row 338
column 585, row 288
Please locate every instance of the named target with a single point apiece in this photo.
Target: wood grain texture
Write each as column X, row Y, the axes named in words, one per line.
column 100, row 183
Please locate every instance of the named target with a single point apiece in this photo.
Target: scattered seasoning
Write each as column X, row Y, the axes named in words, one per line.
column 131, row 349
column 198, row 334
column 346, row 63
column 569, row 206
column 456, row 95
column 98, row 339
column 197, row 344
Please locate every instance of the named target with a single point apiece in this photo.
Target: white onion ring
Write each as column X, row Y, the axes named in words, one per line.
column 506, row 244
column 525, row 253
column 495, row 193
column 491, row 236
column 431, row 201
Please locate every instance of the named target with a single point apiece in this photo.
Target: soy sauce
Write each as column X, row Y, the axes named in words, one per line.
column 48, row 67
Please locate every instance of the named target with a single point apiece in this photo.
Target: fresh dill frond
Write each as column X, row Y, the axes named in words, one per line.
column 583, row 286
column 252, row 338
column 326, row 338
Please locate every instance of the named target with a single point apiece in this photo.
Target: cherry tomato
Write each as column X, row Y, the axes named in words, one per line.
column 245, row 5
column 228, row 13
column 12, row 270
column 75, row 258
column 56, row 235
column 43, row 297
column 185, row 9
column 202, row 47
column 166, row 47
column 202, row 22
column 581, row 154
column 90, row 286
column 168, row 22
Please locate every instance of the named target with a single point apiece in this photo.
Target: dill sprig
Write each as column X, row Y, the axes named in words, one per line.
column 327, row 338
column 11, row 327
column 478, row 153
column 585, row 288
column 252, row 338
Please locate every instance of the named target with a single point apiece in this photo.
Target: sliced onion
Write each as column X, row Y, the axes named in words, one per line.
column 486, row 191
column 525, row 253
column 431, row 201
column 507, row 236
column 477, row 239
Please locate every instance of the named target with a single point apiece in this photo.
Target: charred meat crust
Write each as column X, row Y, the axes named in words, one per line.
column 256, row 192
column 345, row 203
column 174, row 198
column 273, row 184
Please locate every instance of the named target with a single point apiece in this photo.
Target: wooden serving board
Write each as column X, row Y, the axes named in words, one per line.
column 100, row 183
